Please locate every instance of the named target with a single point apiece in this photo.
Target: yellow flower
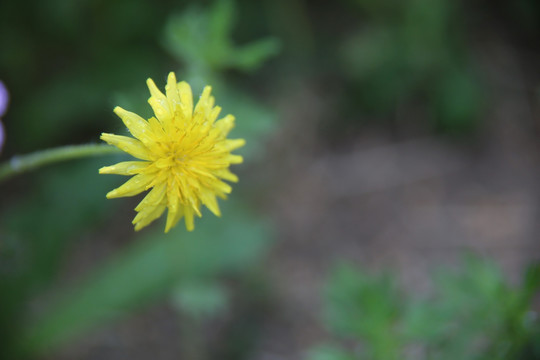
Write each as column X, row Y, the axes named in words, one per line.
column 184, row 153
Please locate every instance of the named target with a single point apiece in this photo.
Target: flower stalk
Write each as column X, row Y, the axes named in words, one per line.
column 23, row 163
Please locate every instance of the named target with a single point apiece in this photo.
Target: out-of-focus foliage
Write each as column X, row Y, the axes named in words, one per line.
column 412, row 49
column 62, row 60
column 204, row 39
column 330, row 352
column 471, row 314
column 103, row 68
column 200, row 299
column 150, row 268
column 34, row 233
column 67, row 64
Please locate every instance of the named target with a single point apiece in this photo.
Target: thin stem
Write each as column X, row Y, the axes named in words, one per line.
column 19, row 164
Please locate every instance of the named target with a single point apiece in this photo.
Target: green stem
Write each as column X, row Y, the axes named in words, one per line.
column 19, row 164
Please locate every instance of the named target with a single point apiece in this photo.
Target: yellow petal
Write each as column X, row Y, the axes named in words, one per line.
column 202, row 172
column 136, row 125
column 151, row 207
column 133, row 186
column 174, row 208
column 214, row 113
column 155, row 197
column 186, row 97
column 188, row 218
column 226, row 175
column 230, row 145
column 131, row 146
column 209, row 200
column 145, row 218
column 221, row 186
column 159, row 102
column 226, row 124
column 221, row 195
column 195, row 205
column 179, row 214
column 173, row 198
column 125, row 168
column 171, row 90
column 172, row 219
column 202, row 104
column 235, row 159
column 156, row 127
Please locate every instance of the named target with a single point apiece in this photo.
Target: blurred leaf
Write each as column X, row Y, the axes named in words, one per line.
column 425, row 32
column 364, row 307
column 202, row 39
column 358, row 304
column 147, row 270
column 61, row 202
column 409, row 50
column 221, row 20
column 200, row 299
column 251, row 56
column 329, row 352
column 185, row 36
column 367, row 51
column 531, row 285
column 457, row 100
column 471, row 313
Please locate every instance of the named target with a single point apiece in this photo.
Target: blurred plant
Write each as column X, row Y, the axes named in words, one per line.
column 160, row 265
column 410, row 49
column 471, row 314
column 202, row 41
column 65, row 202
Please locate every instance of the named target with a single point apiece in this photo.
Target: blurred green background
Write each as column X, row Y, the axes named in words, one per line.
column 387, row 141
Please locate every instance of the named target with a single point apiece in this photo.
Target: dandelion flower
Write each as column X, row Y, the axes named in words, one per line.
column 184, row 155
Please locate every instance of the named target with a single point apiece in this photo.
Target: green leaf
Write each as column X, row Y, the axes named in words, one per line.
column 365, row 308
column 358, row 304
column 457, row 100
column 221, row 20
column 148, row 270
column 250, row 57
column 202, row 39
column 532, row 280
column 200, row 299
column 329, row 352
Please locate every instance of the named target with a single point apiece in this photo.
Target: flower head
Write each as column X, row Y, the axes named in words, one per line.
column 184, row 155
